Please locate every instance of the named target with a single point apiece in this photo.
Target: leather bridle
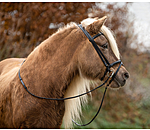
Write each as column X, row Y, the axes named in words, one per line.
column 110, row 73
column 103, row 58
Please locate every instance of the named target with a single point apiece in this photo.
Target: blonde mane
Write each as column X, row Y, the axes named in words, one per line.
column 111, row 40
column 69, row 25
column 80, row 84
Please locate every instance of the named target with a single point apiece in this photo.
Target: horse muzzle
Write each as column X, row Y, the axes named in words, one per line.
column 120, row 79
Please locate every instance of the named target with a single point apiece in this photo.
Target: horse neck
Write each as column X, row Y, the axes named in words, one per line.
column 50, row 68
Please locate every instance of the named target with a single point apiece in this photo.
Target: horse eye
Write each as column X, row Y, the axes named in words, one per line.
column 105, row 46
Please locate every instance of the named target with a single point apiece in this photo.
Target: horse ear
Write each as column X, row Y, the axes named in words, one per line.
column 94, row 28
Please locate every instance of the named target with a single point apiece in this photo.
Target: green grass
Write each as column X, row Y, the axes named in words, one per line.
column 105, row 121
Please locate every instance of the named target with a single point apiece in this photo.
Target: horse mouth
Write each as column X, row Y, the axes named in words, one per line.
column 117, row 83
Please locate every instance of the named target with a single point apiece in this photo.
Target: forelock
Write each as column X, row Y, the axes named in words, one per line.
column 108, row 34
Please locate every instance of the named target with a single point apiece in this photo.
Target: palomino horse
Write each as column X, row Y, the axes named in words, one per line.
column 64, row 65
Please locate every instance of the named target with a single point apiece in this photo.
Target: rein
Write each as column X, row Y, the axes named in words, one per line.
column 107, row 72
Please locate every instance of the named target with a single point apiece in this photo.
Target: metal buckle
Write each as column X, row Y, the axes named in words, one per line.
column 108, row 73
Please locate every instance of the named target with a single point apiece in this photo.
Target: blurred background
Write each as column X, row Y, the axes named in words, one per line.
column 23, row 26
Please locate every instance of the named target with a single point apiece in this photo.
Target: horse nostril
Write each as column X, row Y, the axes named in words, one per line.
column 126, row 76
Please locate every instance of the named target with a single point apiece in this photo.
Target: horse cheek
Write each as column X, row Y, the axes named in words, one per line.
column 89, row 63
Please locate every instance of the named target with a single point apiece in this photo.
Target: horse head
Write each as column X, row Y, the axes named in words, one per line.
column 90, row 64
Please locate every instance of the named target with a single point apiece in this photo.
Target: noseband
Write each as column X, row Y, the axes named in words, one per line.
column 108, row 72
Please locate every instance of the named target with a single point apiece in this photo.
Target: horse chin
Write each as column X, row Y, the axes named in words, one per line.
column 115, row 84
